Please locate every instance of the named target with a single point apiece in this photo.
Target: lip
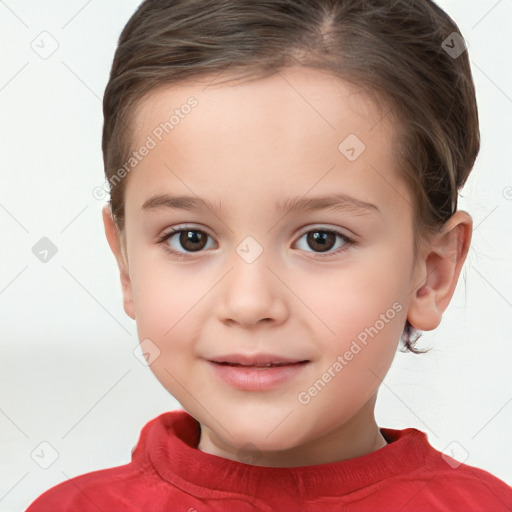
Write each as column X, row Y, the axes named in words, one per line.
column 254, row 359
column 252, row 378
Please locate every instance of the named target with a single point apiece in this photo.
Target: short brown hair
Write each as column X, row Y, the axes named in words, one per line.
column 396, row 50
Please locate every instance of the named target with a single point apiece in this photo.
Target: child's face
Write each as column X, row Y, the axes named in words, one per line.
column 250, row 147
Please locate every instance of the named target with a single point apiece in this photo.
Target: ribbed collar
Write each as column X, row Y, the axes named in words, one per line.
column 169, row 443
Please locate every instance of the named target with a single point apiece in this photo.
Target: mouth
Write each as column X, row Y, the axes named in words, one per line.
column 259, row 365
column 256, row 360
column 257, row 373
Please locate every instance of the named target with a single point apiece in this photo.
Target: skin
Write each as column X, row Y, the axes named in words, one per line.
column 250, row 145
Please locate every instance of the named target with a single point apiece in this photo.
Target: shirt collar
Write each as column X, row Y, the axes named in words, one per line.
column 168, row 444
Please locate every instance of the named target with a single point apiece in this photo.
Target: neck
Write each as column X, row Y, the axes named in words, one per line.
column 359, row 436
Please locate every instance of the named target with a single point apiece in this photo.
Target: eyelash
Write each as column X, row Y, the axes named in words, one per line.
column 348, row 242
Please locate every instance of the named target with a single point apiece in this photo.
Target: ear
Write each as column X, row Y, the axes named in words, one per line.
column 117, row 245
column 438, row 271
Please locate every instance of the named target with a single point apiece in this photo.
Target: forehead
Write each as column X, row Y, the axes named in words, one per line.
column 308, row 96
column 260, row 137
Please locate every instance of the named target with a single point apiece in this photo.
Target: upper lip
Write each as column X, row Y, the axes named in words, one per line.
column 255, row 359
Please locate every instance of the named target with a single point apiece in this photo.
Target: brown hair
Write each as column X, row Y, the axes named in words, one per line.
column 407, row 53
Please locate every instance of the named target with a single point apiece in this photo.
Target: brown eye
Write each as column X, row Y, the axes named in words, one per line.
column 183, row 241
column 324, row 241
column 192, row 240
column 321, row 240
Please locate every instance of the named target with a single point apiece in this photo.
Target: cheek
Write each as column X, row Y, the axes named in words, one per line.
column 166, row 307
column 163, row 306
column 362, row 311
column 169, row 302
column 347, row 302
column 365, row 315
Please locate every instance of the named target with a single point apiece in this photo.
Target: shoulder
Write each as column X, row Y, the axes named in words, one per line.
column 114, row 489
column 473, row 487
column 90, row 492
column 444, row 483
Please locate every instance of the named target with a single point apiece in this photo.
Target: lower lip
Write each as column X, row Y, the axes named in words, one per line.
column 250, row 378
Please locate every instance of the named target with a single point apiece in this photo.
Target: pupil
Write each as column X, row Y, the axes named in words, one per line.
column 321, row 239
column 190, row 239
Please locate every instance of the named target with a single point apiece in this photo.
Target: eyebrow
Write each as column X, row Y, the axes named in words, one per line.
column 335, row 202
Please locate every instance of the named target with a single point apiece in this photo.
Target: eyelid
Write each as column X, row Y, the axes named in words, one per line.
column 305, row 229
column 347, row 233
column 182, row 227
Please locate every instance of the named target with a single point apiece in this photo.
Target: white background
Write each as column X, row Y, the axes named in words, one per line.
column 68, row 373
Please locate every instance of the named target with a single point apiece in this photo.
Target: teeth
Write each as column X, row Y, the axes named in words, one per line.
column 261, row 365
column 257, row 365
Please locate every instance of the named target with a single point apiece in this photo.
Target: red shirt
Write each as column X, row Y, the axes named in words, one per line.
column 168, row 473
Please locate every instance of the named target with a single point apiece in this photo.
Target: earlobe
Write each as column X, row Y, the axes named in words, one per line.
column 438, row 272
column 116, row 245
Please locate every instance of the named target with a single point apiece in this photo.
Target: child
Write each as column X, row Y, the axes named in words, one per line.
column 315, row 150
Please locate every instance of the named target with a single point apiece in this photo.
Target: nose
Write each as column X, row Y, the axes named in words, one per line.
column 251, row 294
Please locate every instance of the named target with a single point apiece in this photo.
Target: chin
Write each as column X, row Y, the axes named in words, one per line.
column 263, row 436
